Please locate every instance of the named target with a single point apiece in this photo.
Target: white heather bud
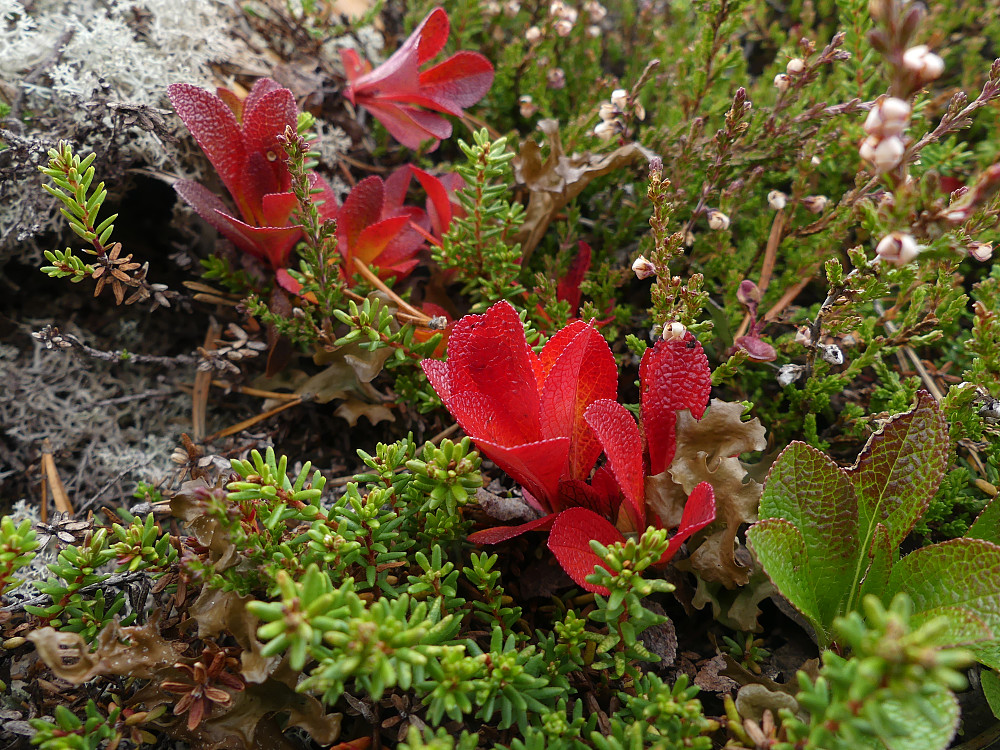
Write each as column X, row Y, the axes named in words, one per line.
column 638, row 110
column 556, row 8
column 606, row 130
column 556, row 78
column 607, row 112
column 533, row 34
column 596, row 11
column 594, row 31
column 527, row 106
column 815, row 161
column 643, row 267
column 788, row 374
column 888, row 153
column 803, row 336
column 981, row 251
column 831, row 353
column 717, row 220
column 511, row 8
column 897, row 248
column 491, row 8
column 923, row 63
column 689, row 238
column 867, row 150
column 782, row 82
column 674, row 332
column 795, row 66
column 895, row 113
column 815, row 203
column 563, row 27
column 619, row 98
column 777, row 200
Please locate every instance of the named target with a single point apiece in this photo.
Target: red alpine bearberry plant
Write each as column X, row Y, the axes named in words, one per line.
column 545, row 419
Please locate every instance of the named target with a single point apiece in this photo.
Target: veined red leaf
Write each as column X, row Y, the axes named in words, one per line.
column 214, row 128
column 499, row 534
column 569, row 285
column 570, row 540
column 618, row 434
column 458, row 82
column 584, row 372
column 674, row 375
column 488, row 354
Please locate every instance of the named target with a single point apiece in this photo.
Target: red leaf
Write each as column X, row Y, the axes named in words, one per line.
column 391, row 90
column 215, row 129
column 576, row 493
column 488, row 355
column 699, row 512
column 439, row 208
column 374, row 239
column 674, row 375
column 499, row 534
column 261, row 87
column 277, row 208
column 537, row 466
column 410, row 126
column 582, row 373
column 458, row 82
column 267, row 117
column 326, row 199
column 362, row 208
column 570, row 540
column 569, row 285
column 618, row 434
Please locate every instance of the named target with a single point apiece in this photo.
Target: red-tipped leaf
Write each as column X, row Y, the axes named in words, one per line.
column 499, row 534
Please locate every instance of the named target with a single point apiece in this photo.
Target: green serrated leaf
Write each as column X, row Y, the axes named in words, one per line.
column 782, row 552
column 809, row 490
column 960, row 573
column 900, row 469
column 987, row 524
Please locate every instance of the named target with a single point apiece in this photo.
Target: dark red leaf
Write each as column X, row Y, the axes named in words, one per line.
column 569, row 285
column 570, row 540
column 215, row 129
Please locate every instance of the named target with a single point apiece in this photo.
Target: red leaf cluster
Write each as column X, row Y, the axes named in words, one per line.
column 399, row 95
column 241, row 139
column 546, row 418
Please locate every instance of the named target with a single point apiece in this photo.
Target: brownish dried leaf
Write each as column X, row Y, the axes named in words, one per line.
column 134, row 651
column 555, row 181
column 225, row 611
column 708, row 451
column 352, row 409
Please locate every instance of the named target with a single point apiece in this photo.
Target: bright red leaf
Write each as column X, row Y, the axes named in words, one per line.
column 395, row 90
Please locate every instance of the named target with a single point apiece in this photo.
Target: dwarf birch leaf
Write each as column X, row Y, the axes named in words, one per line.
column 963, row 573
column 782, row 553
column 931, row 728
column 900, row 469
column 987, row 524
column 816, row 496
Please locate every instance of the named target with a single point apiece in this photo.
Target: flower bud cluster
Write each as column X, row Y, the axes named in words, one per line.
column 886, row 123
column 795, row 67
column 612, row 114
column 563, row 16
